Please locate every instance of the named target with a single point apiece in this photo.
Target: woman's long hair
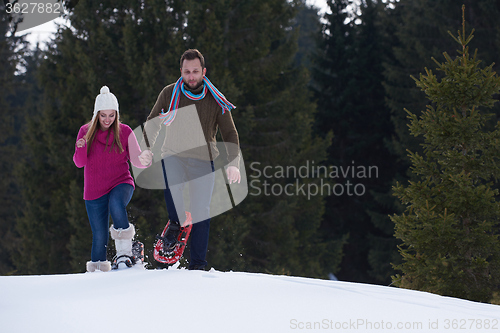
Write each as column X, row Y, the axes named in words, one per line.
column 115, row 128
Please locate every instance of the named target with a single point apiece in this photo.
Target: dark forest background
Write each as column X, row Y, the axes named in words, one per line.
column 327, row 89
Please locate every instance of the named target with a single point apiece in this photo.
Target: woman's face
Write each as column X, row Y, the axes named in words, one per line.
column 106, row 118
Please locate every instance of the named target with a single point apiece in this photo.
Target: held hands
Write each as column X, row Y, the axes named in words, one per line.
column 233, row 174
column 146, row 157
column 81, row 143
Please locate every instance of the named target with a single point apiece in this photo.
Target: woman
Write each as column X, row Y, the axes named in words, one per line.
column 103, row 148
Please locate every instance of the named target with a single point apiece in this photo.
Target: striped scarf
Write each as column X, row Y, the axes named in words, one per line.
column 169, row 116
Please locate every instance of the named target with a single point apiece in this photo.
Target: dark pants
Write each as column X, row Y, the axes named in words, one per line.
column 115, row 204
column 199, row 176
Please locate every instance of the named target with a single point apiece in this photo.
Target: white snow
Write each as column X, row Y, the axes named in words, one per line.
column 178, row 300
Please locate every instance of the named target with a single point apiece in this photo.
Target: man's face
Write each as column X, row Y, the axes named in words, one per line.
column 192, row 73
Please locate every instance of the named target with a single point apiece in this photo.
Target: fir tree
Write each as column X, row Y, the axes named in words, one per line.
column 330, row 74
column 12, row 49
column 450, row 226
column 417, row 29
column 307, row 21
column 369, row 134
column 347, row 78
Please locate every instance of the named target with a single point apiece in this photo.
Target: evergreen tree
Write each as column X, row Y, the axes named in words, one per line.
column 347, row 80
column 418, row 30
column 368, row 136
column 450, row 226
column 12, row 49
column 329, row 76
column 307, row 21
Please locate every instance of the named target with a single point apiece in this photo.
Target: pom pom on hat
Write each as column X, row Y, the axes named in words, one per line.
column 105, row 101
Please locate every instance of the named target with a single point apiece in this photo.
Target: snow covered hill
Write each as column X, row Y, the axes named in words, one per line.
column 177, row 300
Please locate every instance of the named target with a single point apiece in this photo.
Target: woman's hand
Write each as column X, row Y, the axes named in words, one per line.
column 81, row 143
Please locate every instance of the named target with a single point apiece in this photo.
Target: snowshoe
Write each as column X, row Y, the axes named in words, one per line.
column 173, row 250
column 129, row 261
column 171, row 236
column 125, row 259
column 138, row 252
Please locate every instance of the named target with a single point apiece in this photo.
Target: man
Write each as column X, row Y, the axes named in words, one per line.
column 192, row 110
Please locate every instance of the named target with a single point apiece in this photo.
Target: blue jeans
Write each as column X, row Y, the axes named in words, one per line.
column 200, row 176
column 115, row 204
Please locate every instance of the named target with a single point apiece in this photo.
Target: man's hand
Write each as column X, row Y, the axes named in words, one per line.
column 233, row 174
column 146, row 157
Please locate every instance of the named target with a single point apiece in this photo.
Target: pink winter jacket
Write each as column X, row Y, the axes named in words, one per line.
column 103, row 170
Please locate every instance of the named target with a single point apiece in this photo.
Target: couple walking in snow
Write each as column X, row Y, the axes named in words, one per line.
column 105, row 145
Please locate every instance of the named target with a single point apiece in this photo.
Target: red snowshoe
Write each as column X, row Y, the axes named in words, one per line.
column 172, row 255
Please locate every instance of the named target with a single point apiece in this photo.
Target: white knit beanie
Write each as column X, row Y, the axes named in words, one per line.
column 105, row 101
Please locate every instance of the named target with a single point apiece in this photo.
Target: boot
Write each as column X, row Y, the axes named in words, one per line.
column 170, row 238
column 123, row 244
column 103, row 266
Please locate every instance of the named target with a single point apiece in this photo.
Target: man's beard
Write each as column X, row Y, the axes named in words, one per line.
column 198, row 84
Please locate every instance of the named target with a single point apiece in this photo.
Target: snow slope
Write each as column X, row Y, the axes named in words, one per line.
column 177, row 300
